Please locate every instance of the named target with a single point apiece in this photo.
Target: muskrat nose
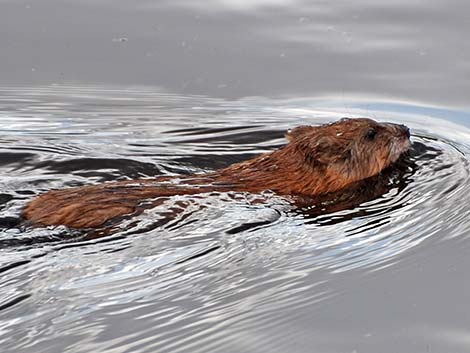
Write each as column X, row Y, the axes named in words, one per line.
column 405, row 130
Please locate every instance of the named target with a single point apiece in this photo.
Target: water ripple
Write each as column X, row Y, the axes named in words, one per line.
column 196, row 272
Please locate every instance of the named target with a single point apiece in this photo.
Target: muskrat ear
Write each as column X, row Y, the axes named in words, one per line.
column 298, row 132
column 325, row 151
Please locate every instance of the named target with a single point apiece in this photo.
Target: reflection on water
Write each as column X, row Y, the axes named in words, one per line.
column 402, row 50
column 225, row 273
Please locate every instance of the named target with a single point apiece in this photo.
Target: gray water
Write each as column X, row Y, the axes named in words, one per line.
column 111, row 90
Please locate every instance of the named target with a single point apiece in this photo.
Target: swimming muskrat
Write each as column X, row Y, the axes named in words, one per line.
column 317, row 160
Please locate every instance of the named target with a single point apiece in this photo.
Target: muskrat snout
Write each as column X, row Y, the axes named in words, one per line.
column 399, row 130
column 400, row 142
column 406, row 131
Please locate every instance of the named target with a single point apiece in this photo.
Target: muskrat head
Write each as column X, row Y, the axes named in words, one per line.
column 350, row 149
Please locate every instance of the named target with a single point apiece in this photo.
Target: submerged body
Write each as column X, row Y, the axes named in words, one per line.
column 317, row 160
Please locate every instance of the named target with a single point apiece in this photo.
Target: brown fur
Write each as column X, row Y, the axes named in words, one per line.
column 317, row 160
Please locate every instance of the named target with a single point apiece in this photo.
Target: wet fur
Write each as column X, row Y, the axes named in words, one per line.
column 317, row 160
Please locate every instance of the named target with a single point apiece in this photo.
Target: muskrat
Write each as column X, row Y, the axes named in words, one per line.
column 317, row 160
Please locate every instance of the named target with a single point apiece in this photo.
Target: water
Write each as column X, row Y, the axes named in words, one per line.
column 116, row 92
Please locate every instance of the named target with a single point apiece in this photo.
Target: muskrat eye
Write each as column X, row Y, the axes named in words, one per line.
column 371, row 134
